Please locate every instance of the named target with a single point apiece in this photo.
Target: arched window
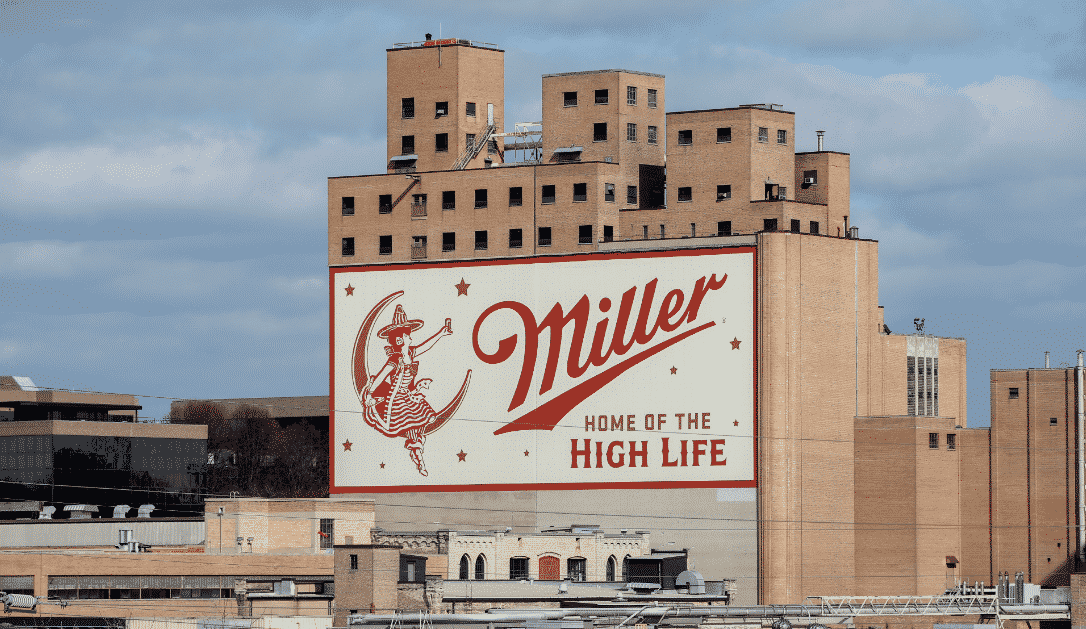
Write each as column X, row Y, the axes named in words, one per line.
column 611, row 568
column 626, row 568
column 464, row 568
column 480, row 568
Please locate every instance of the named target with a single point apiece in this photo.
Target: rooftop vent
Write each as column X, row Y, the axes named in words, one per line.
column 80, row 512
column 47, row 513
column 121, row 511
column 26, row 384
column 820, row 134
column 690, row 580
column 145, row 511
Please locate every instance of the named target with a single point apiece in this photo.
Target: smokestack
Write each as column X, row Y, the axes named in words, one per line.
column 820, row 134
column 1046, row 360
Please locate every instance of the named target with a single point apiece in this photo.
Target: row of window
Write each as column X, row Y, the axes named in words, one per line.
column 548, row 195
column 603, row 97
column 951, row 441
column 441, row 108
column 585, row 236
column 441, row 144
column 548, row 568
column 724, row 228
column 724, row 135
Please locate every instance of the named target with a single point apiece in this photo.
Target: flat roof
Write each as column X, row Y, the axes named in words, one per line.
column 611, row 71
column 817, row 152
column 482, row 170
column 702, row 111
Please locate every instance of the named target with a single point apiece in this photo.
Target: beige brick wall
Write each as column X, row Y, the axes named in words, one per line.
column 498, row 548
column 284, row 526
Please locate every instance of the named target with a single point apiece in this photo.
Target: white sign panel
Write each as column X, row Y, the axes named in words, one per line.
column 589, row 371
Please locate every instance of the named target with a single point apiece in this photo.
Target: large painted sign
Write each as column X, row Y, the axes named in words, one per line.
column 590, row 371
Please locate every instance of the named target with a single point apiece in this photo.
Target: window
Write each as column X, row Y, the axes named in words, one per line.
column 516, row 238
column 480, row 240
column 626, row 568
column 384, row 246
column 724, row 228
column 518, row 568
column 548, row 194
column 951, row 441
column 448, row 200
column 599, row 132
column 795, row 226
column 516, row 196
column 418, row 247
column 441, row 109
column 576, row 569
column 492, row 147
column 609, row 192
column 348, row 250
column 631, row 95
column 1053, row 422
column 348, row 206
column 644, row 232
column 469, row 141
column 662, row 232
column 469, row 109
column 814, row 227
column 686, row 137
column 650, row 135
column 933, row 440
column 608, row 233
column 569, row 99
column 448, row 241
column 782, row 136
column 327, row 530
column 651, row 96
column 723, row 134
column 480, row 563
column 810, row 177
column 601, row 97
column 723, row 192
column 409, row 572
column 782, row 193
column 407, row 145
column 354, row 562
column 769, row 224
column 611, row 563
column 441, row 143
column 407, row 107
column 584, row 235
column 464, row 563
column 631, row 195
column 480, row 198
column 1012, row 393
column 684, row 194
column 763, row 134
column 580, row 192
column 693, row 230
column 384, row 204
column 544, row 237
column 631, row 132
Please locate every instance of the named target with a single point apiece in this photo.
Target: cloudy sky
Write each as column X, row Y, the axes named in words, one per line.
column 163, row 166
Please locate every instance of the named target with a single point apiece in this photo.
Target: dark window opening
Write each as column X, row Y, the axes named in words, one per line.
column 810, row 178
column 611, row 564
column 782, row 192
column 407, row 145
column 548, row 194
column 544, row 236
column 795, row 226
column 448, row 200
column 782, row 136
column 348, row 250
column 569, row 99
column 348, row 206
column 601, row 97
column 584, row 235
column 464, row 563
column 685, row 194
column 480, row 241
column 418, row 247
column 492, row 147
column 384, row 204
column 580, row 192
column 407, row 108
column 599, row 132
column 608, row 233
column 441, row 143
column 663, row 232
column 576, row 569
column 763, row 134
column 723, row 192
column 354, row 562
column 609, row 192
column 933, row 440
column 951, row 441
column 480, row 568
column 469, row 141
column 384, row 246
column 480, row 198
column 469, row 109
column 441, row 109
column 724, row 228
column 651, row 95
column 686, row 137
column 516, row 196
column 650, row 135
column 631, row 195
column 1012, row 393
column 724, row 134
column 328, row 530
column 769, row 224
column 631, row 132
column 814, row 227
column 693, row 229
column 1053, row 422
column 518, row 568
column 516, row 238
column 448, row 241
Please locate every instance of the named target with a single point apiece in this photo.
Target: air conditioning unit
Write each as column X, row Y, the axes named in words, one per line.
column 722, row 196
column 808, row 180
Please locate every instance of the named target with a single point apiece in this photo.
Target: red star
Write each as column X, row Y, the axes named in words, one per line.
column 349, row 289
column 346, row 446
column 735, row 343
column 382, row 466
column 525, row 453
column 462, row 288
column 736, row 422
column 673, row 370
column 462, row 455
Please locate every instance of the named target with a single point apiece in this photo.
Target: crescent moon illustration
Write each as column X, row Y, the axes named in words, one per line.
column 362, row 372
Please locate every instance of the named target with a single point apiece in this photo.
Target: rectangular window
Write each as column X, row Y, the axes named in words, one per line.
column 910, row 387
column 407, row 145
column 480, row 241
column 609, row 192
column 1012, row 393
column 480, row 198
column 516, row 196
column 631, row 132
column 814, row 227
column 348, row 246
column 354, row 562
column 544, row 237
column 782, row 193
column 724, row 228
column 410, row 572
column 650, row 135
column 763, row 134
column 651, row 96
column 469, row 109
column 601, row 97
column 723, row 192
column 576, row 569
column 933, row 440
column 516, row 238
column 348, row 206
column 631, row 95
column 693, row 229
column 418, row 206
column 584, row 235
column 1053, row 422
column 686, row 137
column 448, row 241
column 492, row 147
column 407, row 107
column 384, row 204
column 327, row 532
column 608, row 233
column 569, row 99
column 663, row 232
column 384, row 246
column 518, row 568
column 631, row 195
column 810, row 177
column 469, row 141
column 685, row 194
column 951, row 441
column 795, row 226
column 418, row 247
column 548, row 194
column 769, row 224
column 441, row 143
column 644, row 232
column 441, row 109
column 580, row 192
column 723, row 134
column 599, row 132
column 448, row 200
column 782, row 136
